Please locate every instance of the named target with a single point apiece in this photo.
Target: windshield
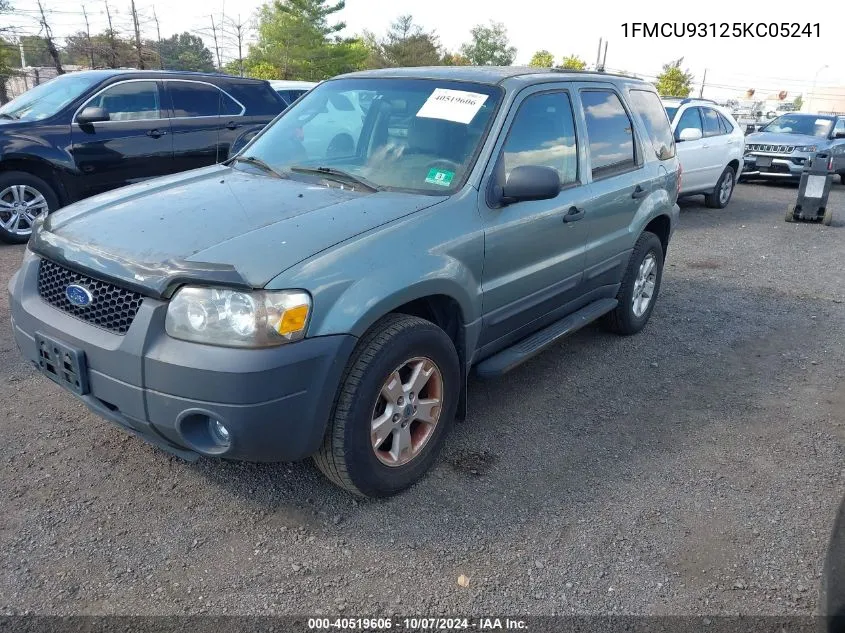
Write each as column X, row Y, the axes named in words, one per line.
column 671, row 112
column 794, row 124
column 48, row 98
column 416, row 135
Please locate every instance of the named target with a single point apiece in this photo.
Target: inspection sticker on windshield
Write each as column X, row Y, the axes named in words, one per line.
column 452, row 105
column 440, row 177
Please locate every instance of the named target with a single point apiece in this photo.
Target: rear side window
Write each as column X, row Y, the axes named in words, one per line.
column 690, row 119
column 712, row 126
column 543, row 133
column 610, row 132
column 647, row 105
column 194, row 99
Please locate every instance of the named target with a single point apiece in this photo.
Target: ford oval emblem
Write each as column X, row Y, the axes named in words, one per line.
column 79, row 296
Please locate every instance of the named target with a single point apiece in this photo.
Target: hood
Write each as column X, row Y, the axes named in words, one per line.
column 777, row 138
column 217, row 224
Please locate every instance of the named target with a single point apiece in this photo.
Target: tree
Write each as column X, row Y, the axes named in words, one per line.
column 261, row 70
column 454, row 59
column 107, row 49
column 296, row 38
column 489, row 46
column 573, row 62
column 36, row 50
column 542, row 59
column 185, row 52
column 673, row 81
column 405, row 44
column 798, row 102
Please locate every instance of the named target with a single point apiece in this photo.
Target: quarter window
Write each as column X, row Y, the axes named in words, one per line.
column 690, row 119
column 543, row 133
column 610, row 132
column 647, row 105
column 194, row 99
column 729, row 127
column 130, row 101
column 712, row 126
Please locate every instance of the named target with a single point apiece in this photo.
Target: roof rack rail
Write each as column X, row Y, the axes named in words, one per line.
column 691, row 99
column 556, row 69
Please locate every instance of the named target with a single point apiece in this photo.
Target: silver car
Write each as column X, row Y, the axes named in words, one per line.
column 781, row 148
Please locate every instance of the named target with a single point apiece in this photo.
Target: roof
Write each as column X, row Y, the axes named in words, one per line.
column 482, row 74
column 286, row 83
column 105, row 73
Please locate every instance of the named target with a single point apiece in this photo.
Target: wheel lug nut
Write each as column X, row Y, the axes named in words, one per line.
column 400, row 401
column 395, row 417
column 411, row 396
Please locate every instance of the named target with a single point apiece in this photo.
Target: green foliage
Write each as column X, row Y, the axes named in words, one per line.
column 798, row 102
column 261, row 70
column 296, row 38
column 108, row 50
column 542, row 59
column 36, row 51
column 454, row 59
column 185, row 52
column 673, row 81
column 573, row 62
column 405, row 44
column 489, row 46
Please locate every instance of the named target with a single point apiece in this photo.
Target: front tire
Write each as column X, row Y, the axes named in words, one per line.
column 640, row 287
column 394, row 408
column 722, row 193
column 790, row 213
column 827, row 219
column 23, row 197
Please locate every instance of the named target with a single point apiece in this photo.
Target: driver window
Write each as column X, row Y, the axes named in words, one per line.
column 543, row 133
column 130, row 101
column 839, row 128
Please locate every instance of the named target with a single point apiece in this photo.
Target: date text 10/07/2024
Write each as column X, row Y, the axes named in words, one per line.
column 721, row 29
column 417, row 624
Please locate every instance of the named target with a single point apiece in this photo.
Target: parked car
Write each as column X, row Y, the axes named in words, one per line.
column 287, row 304
column 781, row 148
column 290, row 91
column 710, row 147
column 87, row 132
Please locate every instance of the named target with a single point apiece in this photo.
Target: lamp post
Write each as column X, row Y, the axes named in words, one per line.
column 813, row 91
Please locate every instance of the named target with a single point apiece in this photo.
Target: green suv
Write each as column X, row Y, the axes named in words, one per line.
column 331, row 302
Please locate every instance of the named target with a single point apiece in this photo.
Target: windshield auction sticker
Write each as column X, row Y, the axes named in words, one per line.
column 452, row 105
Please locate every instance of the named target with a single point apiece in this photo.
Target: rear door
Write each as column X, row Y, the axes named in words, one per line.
column 133, row 145
column 691, row 153
column 716, row 145
column 534, row 255
column 203, row 118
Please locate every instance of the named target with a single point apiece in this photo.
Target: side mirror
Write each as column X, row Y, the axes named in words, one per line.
column 92, row 114
column 690, row 134
column 839, row 135
column 530, row 182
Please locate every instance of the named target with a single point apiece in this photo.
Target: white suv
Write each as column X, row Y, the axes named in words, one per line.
column 710, row 145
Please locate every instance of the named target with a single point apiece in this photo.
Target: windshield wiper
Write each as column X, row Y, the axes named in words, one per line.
column 5, row 115
column 252, row 160
column 337, row 175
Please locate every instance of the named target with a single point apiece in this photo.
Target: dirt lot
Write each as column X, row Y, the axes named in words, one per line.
column 694, row 468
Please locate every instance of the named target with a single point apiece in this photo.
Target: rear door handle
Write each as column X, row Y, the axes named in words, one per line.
column 574, row 214
column 231, row 125
column 156, row 133
column 639, row 192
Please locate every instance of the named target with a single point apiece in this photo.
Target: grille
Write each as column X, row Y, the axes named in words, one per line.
column 778, row 149
column 112, row 308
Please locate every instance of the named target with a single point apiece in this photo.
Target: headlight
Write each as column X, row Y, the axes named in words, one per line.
column 806, row 148
column 236, row 318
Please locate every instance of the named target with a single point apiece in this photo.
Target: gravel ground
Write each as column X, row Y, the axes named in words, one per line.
column 692, row 469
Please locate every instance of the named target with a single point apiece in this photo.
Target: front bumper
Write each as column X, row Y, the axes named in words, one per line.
column 275, row 402
column 782, row 166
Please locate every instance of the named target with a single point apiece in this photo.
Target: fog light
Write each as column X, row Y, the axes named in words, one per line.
column 219, row 432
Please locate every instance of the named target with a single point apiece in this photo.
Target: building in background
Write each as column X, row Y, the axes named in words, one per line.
column 825, row 100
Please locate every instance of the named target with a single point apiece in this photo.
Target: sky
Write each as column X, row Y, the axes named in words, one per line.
column 732, row 65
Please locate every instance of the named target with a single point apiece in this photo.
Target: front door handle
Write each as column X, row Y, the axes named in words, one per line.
column 156, row 133
column 573, row 214
column 231, row 125
column 639, row 192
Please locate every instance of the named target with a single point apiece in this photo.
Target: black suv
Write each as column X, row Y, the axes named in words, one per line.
column 87, row 132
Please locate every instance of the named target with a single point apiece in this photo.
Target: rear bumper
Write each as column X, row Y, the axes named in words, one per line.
column 274, row 402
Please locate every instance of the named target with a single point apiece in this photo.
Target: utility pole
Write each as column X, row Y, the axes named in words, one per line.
column 51, row 46
column 137, row 35
column 158, row 41
column 703, row 81
column 113, row 47
column 88, row 35
column 23, row 65
column 216, row 46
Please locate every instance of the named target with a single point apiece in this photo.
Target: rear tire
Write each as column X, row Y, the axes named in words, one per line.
column 22, row 198
column 629, row 317
column 723, row 191
column 353, row 455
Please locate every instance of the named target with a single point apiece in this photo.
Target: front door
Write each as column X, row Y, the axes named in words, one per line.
column 692, row 154
column 534, row 250
column 133, row 145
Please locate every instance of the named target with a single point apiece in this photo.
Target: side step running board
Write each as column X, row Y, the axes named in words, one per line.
column 529, row 347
